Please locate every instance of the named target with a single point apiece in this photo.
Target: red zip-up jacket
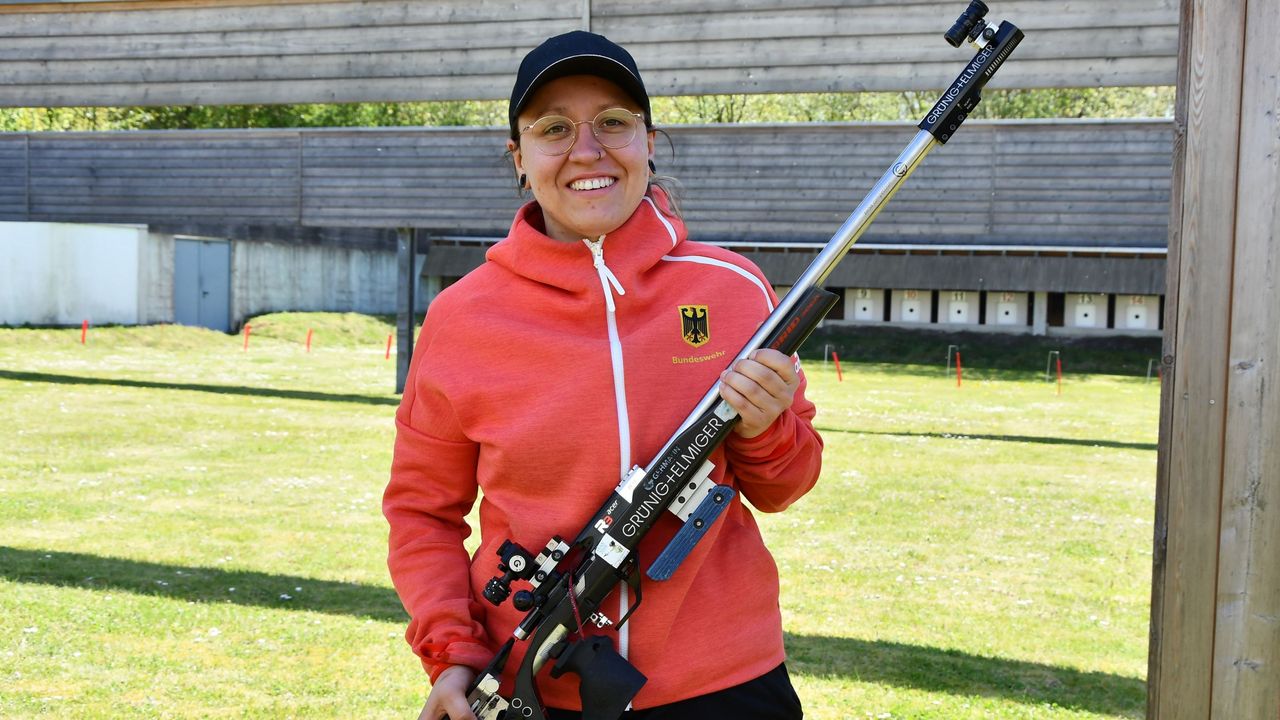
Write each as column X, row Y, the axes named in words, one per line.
column 538, row 380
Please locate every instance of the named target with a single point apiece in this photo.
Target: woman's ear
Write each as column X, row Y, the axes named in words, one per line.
column 513, row 149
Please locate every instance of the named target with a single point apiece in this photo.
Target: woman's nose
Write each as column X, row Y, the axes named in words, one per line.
column 585, row 145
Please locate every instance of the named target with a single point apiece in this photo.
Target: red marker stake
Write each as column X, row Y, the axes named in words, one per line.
column 1059, row 358
column 389, row 346
column 839, row 375
column 246, row 336
column 84, row 330
column 958, row 372
column 308, row 339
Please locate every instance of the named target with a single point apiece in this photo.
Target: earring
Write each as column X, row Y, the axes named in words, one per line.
column 653, row 168
column 524, row 181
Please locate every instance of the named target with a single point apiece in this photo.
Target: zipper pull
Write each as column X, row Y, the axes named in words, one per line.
column 608, row 281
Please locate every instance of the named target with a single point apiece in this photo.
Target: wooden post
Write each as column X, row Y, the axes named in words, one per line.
column 1215, row 611
column 406, row 246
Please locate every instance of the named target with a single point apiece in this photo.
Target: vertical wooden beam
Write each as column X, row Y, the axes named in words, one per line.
column 1215, row 623
column 1246, row 667
column 1193, row 404
column 406, row 246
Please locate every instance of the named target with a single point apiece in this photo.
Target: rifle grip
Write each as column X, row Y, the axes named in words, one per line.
column 607, row 682
column 795, row 328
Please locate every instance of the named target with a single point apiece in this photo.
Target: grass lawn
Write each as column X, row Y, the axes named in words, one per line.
column 191, row 530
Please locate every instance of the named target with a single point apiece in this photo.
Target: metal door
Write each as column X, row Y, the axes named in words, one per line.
column 202, row 283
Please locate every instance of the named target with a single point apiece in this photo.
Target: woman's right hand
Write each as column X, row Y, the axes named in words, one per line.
column 448, row 695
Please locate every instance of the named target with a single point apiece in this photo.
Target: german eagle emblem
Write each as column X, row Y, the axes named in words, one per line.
column 693, row 325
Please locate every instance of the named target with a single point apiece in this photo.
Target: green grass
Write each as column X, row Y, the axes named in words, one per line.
column 191, row 530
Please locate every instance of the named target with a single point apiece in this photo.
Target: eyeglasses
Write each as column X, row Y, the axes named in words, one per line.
column 613, row 128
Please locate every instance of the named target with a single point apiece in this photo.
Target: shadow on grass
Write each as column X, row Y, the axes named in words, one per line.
column 196, row 387
column 1085, row 442
column 949, row 671
column 923, row 668
column 199, row 584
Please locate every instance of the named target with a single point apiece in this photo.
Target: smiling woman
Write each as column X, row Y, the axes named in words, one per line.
column 576, row 348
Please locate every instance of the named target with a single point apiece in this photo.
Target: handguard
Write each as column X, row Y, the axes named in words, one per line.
column 569, row 580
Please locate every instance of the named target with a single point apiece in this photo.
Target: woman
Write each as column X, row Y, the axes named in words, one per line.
column 570, row 355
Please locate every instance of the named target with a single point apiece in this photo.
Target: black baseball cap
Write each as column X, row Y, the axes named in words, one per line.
column 576, row 53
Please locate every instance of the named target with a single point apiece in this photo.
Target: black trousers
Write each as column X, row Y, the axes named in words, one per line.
column 768, row 697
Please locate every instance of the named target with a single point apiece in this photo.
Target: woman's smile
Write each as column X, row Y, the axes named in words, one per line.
column 596, row 183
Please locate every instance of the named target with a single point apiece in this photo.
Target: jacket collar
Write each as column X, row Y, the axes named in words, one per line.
column 629, row 251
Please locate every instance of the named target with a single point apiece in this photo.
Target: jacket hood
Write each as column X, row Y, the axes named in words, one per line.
column 630, row 250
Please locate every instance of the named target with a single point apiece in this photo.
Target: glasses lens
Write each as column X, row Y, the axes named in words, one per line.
column 615, row 127
column 554, row 134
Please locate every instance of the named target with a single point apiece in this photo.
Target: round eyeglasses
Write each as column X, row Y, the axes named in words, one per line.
column 613, row 128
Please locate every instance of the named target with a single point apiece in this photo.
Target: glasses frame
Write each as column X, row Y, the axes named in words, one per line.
column 592, row 123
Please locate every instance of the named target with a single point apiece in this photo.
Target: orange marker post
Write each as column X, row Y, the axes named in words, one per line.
column 389, row 346
column 84, row 330
column 246, row 337
column 308, row 339
column 839, row 374
column 959, row 374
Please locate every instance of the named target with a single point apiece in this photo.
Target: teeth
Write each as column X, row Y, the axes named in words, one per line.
column 592, row 184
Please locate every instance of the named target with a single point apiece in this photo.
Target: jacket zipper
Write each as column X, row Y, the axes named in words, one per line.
column 609, row 284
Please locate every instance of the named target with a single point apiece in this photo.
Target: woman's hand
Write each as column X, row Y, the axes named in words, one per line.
column 760, row 387
column 449, row 695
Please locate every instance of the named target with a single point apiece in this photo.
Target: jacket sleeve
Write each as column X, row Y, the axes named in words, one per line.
column 431, row 490
column 780, row 465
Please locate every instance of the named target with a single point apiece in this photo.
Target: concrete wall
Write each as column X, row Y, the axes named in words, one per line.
column 60, row 274
column 266, row 277
column 155, row 279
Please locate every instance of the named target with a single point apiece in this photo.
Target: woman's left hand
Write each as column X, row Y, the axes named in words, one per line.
column 760, row 387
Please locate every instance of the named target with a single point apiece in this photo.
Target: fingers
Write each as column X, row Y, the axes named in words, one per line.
column 760, row 387
column 453, row 707
column 448, row 696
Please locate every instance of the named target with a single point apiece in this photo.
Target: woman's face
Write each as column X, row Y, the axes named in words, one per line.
column 590, row 190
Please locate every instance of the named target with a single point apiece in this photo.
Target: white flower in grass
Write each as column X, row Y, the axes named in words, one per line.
column 31, row 630
column 214, row 632
column 284, row 596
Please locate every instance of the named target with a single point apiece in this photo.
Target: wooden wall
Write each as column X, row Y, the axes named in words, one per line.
column 187, row 52
column 1076, row 183
column 1215, row 622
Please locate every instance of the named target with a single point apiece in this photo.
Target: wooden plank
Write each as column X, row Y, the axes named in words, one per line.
column 393, row 50
column 221, row 16
column 258, row 91
column 179, row 44
column 661, row 23
column 1092, row 9
column 1246, row 652
column 1194, row 446
column 277, row 69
